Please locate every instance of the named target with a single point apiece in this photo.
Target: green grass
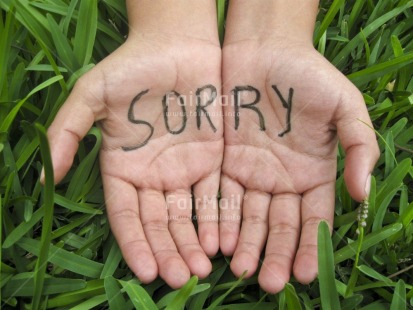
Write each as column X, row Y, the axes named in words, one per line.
column 56, row 247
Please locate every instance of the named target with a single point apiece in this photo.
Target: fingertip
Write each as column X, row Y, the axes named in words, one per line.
column 142, row 263
column 229, row 233
column 63, row 148
column 357, row 174
column 177, row 274
column 201, row 266
column 272, row 279
column 149, row 272
column 228, row 243
column 242, row 262
column 305, row 268
column 209, row 241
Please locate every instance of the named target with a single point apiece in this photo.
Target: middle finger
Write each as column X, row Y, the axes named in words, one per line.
column 254, row 232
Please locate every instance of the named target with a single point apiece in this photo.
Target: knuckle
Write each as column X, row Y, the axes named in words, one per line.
column 283, row 228
column 190, row 247
column 250, row 248
column 126, row 213
column 279, row 257
column 308, row 249
column 313, row 221
column 165, row 254
column 156, row 225
column 180, row 219
column 140, row 244
column 254, row 220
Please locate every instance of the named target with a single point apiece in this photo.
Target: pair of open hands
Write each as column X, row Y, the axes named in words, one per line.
column 278, row 188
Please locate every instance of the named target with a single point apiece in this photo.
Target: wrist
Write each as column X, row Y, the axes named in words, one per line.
column 178, row 19
column 271, row 20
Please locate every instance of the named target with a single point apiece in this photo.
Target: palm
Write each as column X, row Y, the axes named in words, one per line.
column 155, row 151
column 167, row 162
column 270, row 163
column 284, row 166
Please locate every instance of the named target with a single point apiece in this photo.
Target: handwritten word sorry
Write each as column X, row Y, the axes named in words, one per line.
column 201, row 109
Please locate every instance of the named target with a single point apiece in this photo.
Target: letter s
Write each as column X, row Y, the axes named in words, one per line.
column 131, row 118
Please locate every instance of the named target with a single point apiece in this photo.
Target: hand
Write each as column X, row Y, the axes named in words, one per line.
column 280, row 155
column 144, row 98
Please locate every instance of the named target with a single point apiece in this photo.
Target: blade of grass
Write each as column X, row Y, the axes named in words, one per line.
column 85, row 31
column 212, row 280
column 82, row 173
column 376, row 305
column 352, row 302
column 118, row 6
column 69, row 14
column 376, row 284
column 180, row 299
column 23, row 228
column 1, row 247
column 355, row 272
column 10, row 117
column 166, row 300
column 399, row 297
column 140, row 298
column 63, row 48
column 24, row 287
column 248, row 306
column 371, row 73
column 326, row 274
column 114, row 294
column 5, row 45
column 332, row 12
column 394, row 180
column 355, row 13
column 112, row 261
column 407, row 217
column 41, row 264
column 69, row 227
column 367, row 31
column 33, row 21
column 93, row 288
column 76, row 207
column 291, row 297
column 65, row 259
column 370, row 240
column 381, row 210
column 374, row 274
column 91, row 303
column 220, row 299
column 281, row 301
column 221, row 5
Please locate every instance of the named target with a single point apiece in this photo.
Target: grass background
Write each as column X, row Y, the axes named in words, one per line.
column 56, row 247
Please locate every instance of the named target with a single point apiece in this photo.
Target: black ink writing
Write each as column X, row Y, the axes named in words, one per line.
column 245, row 97
column 202, row 108
column 288, row 105
column 239, row 89
column 132, row 119
column 165, row 104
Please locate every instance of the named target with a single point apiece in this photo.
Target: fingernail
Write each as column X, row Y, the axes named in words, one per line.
column 368, row 184
column 42, row 176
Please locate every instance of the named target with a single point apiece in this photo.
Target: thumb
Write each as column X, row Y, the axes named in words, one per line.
column 357, row 136
column 84, row 106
